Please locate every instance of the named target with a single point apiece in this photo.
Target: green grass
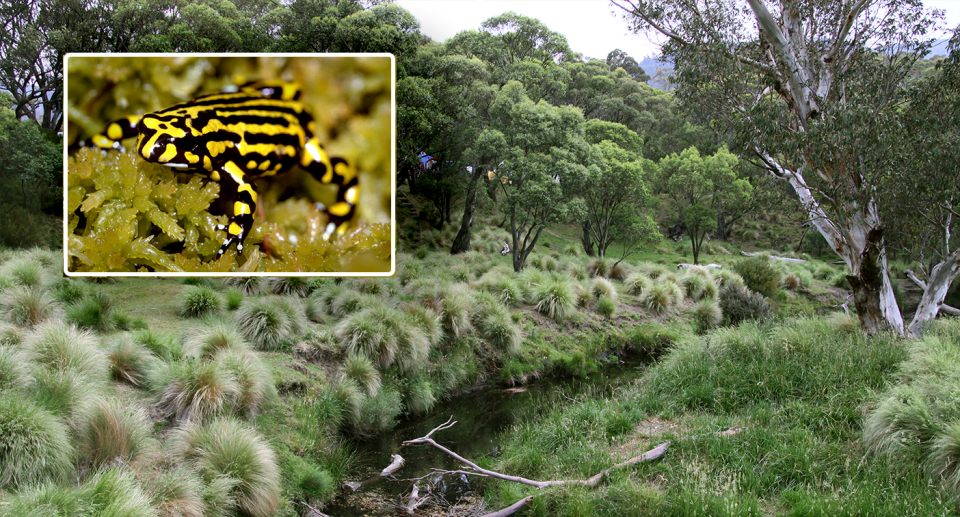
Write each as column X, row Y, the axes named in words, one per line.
column 112, row 431
column 36, row 444
column 195, row 301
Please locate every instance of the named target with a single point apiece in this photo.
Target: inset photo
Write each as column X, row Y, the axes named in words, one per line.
column 226, row 164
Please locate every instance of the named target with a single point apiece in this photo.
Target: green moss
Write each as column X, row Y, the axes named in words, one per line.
column 129, row 215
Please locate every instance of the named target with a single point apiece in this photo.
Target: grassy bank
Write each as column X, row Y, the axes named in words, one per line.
column 764, row 419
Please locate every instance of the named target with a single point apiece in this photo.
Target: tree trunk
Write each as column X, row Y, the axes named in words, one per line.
column 462, row 241
column 722, row 233
column 941, row 277
column 586, row 239
column 870, row 284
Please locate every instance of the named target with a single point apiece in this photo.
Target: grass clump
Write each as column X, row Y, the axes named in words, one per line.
column 698, row 284
column 227, row 450
column 255, row 388
column 27, row 306
column 706, row 315
column 24, row 271
column 234, row 299
column 556, row 298
column 36, row 446
column 270, row 324
column 363, row 372
column 195, row 390
column 759, row 275
column 503, row 286
column 661, row 297
column 211, row 337
column 603, row 287
column 91, row 313
column 195, row 301
column 606, row 306
column 110, row 431
column 637, row 283
column 739, row 304
column 129, row 361
column 498, row 329
column 297, row 286
column 58, row 347
column 420, row 398
column 14, row 370
column 457, row 306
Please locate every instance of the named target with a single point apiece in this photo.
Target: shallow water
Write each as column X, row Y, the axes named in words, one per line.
column 482, row 417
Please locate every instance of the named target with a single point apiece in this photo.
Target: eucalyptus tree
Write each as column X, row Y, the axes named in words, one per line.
column 800, row 83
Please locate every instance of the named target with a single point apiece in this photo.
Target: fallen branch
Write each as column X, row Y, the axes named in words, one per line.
column 317, row 513
column 512, row 509
column 775, row 257
column 923, row 285
column 709, row 266
column 396, row 465
column 415, row 499
column 652, row 454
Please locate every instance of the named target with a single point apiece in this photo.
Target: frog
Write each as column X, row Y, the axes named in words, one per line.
column 257, row 130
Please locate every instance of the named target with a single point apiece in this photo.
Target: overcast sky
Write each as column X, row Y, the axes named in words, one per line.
column 592, row 27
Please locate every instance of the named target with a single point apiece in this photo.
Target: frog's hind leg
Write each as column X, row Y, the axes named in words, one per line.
column 231, row 179
column 117, row 130
column 335, row 171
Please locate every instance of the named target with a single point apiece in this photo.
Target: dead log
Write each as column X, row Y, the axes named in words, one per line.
column 394, row 466
column 652, row 454
column 414, row 500
column 709, row 266
column 923, row 285
column 774, row 257
column 512, row 509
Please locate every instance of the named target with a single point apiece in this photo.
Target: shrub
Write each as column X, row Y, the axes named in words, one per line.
column 740, row 304
column 606, row 306
column 36, row 445
column 791, row 282
column 555, row 299
column 26, row 306
column 195, row 301
column 637, row 283
column 227, row 449
column 759, row 275
column 129, row 361
column 254, row 381
column 269, row 323
column 195, row 390
column 661, row 297
column 706, row 315
column 499, row 330
column 211, row 337
column 112, row 430
column 90, row 313
column 361, row 369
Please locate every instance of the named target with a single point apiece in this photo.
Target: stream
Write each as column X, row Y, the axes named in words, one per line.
column 482, row 417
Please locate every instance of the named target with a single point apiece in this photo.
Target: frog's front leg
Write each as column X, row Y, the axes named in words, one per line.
column 117, row 130
column 232, row 179
column 333, row 170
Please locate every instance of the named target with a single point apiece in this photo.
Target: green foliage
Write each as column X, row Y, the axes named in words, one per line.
column 420, row 398
column 58, row 347
column 379, row 413
column 195, row 301
column 14, row 370
column 606, row 305
column 555, row 299
column 662, row 297
column 759, row 275
column 706, row 315
column 698, row 284
column 194, row 390
column 111, row 431
column 637, row 283
column 651, row 338
column 363, row 372
column 234, row 299
column 254, row 381
column 209, row 338
column 91, row 313
column 271, row 324
column 500, row 331
column 129, row 361
column 739, row 304
column 26, row 306
column 37, row 446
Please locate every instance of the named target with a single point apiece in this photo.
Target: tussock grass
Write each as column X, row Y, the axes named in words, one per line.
column 725, row 277
column 27, row 306
column 618, row 272
column 361, row 369
column 739, row 304
column 349, row 395
column 602, row 287
column 297, row 286
column 457, row 306
column 91, row 313
column 159, row 345
column 379, row 413
column 227, row 449
column 195, row 390
column 271, row 324
column 111, row 430
column 364, row 334
column 606, row 306
column 698, row 284
column 36, row 445
column 503, row 286
column 195, row 301
column 64, row 392
column 556, row 299
column 498, row 329
column 706, row 315
column 661, row 297
column 177, row 493
column 24, row 271
column 234, row 299
column 211, row 337
column 637, row 283
column 426, row 320
column 129, row 361
column 597, row 267
column 248, row 285
column 14, row 371
column 420, row 398
column 56, row 346
column 348, row 302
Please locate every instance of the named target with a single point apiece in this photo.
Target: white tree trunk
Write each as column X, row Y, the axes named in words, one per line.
column 934, row 292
